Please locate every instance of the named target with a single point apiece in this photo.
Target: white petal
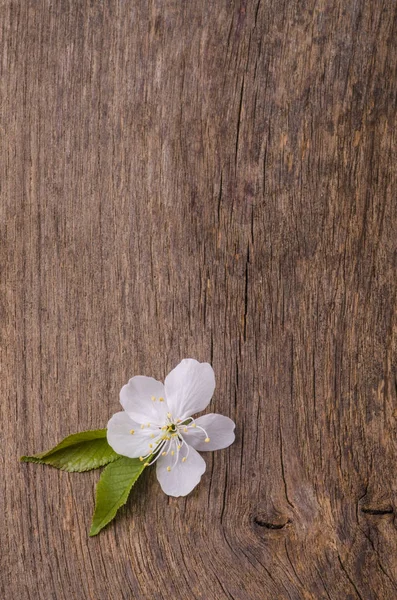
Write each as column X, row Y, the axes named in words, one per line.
column 219, row 429
column 137, row 399
column 184, row 476
column 189, row 388
column 121, row 439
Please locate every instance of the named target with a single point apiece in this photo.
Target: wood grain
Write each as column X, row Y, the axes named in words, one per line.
column 214, row 180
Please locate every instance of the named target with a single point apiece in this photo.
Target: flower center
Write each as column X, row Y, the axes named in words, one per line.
column 168, row 439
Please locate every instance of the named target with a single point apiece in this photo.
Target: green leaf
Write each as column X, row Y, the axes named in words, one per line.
column 113, row 489
column 78, row 452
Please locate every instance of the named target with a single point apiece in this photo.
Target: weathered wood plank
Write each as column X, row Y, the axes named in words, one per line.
column 214, row 180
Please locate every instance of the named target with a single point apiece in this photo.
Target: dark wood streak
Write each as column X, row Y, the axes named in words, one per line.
column 215, row 180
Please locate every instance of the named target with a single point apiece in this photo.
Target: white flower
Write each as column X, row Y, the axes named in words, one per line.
column 157, row 425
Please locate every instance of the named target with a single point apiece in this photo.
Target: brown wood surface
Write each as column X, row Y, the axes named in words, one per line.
column 208, row 179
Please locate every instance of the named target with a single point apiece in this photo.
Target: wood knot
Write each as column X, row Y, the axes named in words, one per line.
column 376, row 505
column 270, row 519
column 377, row 510
column 271, row 524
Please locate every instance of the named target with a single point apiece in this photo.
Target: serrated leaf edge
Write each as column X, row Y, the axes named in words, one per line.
column 93, row 532
column 40, row 457
column 40, row 461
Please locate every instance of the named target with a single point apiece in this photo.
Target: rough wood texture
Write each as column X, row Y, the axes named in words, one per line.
column 215, row 180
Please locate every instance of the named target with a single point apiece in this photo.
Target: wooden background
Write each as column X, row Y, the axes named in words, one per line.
column 208, row 179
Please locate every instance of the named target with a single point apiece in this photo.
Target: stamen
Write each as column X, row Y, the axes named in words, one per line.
column 151, row 445
column 152, row 435
column 178, row 447
column 172, row 452
column 207, row 438
column 168, row 469
column 161, row 399
column 169, row 415
column 142, row 426
column 159, row 453
column 132, row 431
column 188, row 449
column 154, row 398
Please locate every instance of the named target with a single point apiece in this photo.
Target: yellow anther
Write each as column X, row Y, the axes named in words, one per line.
column 207, row 440
column 193, row 424
column 172, row 452
column 185, row 430
column 154, row 398
column 152, row 435
column 179, row 447
column 141, row 458
column 148, row 424
column 161, row 399
column 184, row 459
column 168, row 469
column 132, row 431
column 178, row 420
column 146, row 464
column 163, row 454
column 169, row 415
column 151, row 445
column 142, row 426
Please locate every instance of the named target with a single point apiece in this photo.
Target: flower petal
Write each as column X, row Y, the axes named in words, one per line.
column 219, row 429
column 184, row 476
column 137, row 399
column 189, row 388
column 121, row 439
